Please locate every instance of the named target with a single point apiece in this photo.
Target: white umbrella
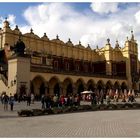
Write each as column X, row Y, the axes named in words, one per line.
column 86, row 92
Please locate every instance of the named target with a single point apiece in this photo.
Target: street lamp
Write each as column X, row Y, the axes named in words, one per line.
column 13, row 82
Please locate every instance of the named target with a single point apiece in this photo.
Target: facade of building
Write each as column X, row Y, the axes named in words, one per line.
column 55, row 67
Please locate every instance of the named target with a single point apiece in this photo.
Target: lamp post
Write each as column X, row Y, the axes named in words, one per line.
column 13, row 82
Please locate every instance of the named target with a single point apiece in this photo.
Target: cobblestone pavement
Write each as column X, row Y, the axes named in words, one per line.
column 120, row 123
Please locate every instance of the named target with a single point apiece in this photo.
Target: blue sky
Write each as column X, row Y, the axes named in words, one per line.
column 91, row 23
column 17, row 9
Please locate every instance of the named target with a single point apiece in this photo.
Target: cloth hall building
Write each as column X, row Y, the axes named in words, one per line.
column 57, row 67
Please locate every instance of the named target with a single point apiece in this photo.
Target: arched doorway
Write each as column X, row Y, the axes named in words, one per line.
column 69, row 89
column 100, row 86
column 42, row 89
column 22, row 90
column 38, row 86
column 90, row 85
column 80, row 86
column 68, row 86
column 117, row 86
column 54, row 86
column 32, row 87
column 123, row 87
column 108, row 87
column 57, row 89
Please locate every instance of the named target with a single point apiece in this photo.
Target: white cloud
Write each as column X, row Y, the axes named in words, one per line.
column 104, row 8
column 137, row 17
column 62, row 19
column 11, row 18
column 56, row 18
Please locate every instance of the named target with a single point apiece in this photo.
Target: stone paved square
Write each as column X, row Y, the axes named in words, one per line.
column 121, row 123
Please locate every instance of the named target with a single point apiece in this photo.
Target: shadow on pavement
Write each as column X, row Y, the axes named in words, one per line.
column 8, row 116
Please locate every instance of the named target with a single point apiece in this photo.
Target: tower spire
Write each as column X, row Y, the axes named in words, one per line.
column 69, row 40
column 108, row 41
column 57, row 37
column 117, row 44
column 6, row 23
column 5, row 18
column 132, row 35
column 31, row 31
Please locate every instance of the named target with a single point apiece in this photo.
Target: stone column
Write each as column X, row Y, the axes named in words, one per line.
column 64, row 89
column 74, row 89
column 47, row 88
column 61, row 89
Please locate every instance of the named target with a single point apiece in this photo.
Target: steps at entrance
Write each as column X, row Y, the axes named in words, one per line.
column 4, row 79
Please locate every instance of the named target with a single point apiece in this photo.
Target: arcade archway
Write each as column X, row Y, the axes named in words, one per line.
column 68, row 86
column 54, row 86
column 38, row 86
column 123, row 86
column 80, row 86
column 56, row 89
column 117, row 86
column 91, row 85
column 100, row 85
column 108, row 86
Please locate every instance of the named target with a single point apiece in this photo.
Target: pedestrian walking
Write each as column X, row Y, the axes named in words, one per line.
column 93, row 98
column 28, row 99
column 5, row 101
column 55, row 101
column 11, row 102
column 32, row 98
column 101, row 97
column 108, row 99
column 48, row 101
column 43, row 101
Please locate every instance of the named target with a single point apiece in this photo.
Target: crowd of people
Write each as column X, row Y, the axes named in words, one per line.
column 10, row 100
column 5, row 99
column 56, row 101
column 48, row 101
column 25, row 97
column 99, row 97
